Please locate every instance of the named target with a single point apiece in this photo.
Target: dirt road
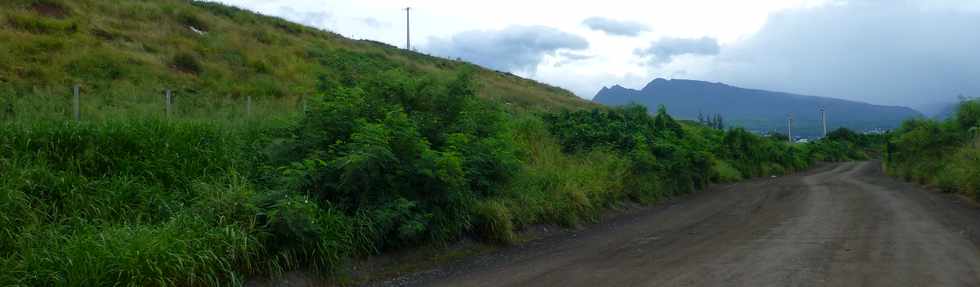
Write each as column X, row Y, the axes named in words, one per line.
column 839, row 225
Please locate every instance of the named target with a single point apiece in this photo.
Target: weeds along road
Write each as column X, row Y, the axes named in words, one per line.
column 838, row 225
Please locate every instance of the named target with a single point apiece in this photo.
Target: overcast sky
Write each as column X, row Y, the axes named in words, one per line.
column 894, row 52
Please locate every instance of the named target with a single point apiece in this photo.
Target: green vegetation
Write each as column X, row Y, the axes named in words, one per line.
column 844, row 144
column 124, row 54
column 694, row 154
column 143, row 202
column 391, row 161
column 944, row 153
column 394, row 149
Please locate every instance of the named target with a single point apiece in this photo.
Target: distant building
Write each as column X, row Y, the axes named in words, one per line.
column 876, row 131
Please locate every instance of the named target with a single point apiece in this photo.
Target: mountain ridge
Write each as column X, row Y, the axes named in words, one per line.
column 756, row 109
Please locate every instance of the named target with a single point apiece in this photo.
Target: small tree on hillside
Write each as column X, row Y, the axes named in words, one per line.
column 778, row 136
column 663, row 122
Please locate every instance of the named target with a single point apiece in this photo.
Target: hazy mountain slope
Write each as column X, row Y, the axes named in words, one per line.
column 756, row 109
column 945, row 111
column 125, row 53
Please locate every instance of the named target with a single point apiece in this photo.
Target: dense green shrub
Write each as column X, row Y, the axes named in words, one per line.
column 835, row 151
column 968, row 114
column 668, row 158
column 410, row 155
column 763, row 156
column 941, row 153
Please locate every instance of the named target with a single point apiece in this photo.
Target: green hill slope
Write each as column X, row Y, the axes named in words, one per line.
column 124, row 54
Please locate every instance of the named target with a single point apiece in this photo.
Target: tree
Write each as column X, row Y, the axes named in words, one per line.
column 778, row 137
column 715, row 122
column 968, row 114
column 663, row 122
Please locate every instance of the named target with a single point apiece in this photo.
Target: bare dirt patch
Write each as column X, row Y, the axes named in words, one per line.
column 50, row 9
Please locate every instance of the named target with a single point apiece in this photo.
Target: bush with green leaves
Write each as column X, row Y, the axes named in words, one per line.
column 941, row 153
column 669, row 157
column 409, row 155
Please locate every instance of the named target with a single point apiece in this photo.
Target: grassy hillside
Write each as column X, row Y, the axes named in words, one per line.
column 124, row 54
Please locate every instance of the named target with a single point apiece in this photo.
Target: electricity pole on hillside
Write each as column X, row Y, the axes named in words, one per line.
column 408, row 35
column 823, row 118
column 789, row 127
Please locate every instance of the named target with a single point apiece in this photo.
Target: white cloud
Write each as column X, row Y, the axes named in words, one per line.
column 308, row 18
column 515, row 48
column 375, row 23
column 615, row 27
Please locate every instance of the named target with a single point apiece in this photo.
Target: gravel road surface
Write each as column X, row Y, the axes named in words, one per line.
column 837, row 225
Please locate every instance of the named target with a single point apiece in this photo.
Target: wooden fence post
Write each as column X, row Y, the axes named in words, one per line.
column 76, row 103
column 167, row 101
column 248, row 106
column 8, row 107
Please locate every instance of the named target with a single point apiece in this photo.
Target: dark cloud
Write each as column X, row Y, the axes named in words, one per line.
column 615, row 27
column 515, row 48
column 663, row 51
column 883, row 53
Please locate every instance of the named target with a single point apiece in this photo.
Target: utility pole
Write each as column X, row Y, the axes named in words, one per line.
column 789, row 127
column 823, row 118
column 408, row 35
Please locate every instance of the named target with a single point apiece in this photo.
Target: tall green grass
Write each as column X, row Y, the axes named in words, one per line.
column 556, row 187
column 149, row 202
column 98, row 204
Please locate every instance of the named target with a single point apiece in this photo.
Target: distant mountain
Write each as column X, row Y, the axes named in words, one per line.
column 946, row 112
column 757, row 110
